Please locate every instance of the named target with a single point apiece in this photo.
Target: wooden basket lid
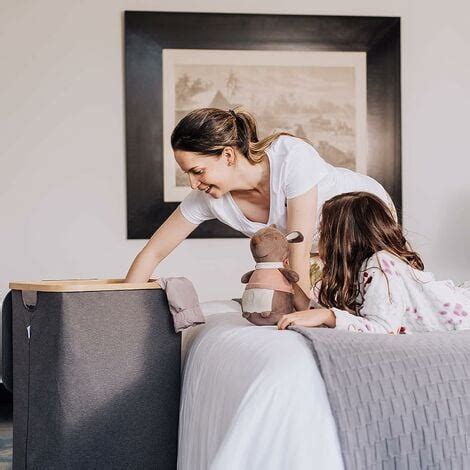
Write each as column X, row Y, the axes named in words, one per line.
column 82, row 285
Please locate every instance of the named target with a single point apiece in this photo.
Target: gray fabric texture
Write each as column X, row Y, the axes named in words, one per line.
column 183, row 301
column 97, row 385
column 399, row 401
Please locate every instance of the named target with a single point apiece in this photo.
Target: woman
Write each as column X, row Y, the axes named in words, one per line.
column 247, row 184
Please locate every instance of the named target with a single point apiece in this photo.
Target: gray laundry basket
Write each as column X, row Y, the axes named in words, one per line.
column 95, row 371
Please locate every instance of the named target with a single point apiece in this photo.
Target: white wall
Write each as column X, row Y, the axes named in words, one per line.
column 62, row 175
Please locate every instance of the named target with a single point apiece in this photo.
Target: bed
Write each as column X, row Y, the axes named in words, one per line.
column 246, row 400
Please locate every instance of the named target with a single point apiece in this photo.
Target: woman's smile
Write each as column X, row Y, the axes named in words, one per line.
column 206, row 188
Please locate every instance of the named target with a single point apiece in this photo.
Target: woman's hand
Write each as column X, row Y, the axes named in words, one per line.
column 310, row 318
column 168, row 236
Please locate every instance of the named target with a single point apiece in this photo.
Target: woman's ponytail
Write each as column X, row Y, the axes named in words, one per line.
column 209, row 130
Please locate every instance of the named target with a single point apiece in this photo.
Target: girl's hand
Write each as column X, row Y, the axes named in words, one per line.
column 310, row 318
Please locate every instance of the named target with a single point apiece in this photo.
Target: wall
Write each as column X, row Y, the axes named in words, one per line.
column 62, row 175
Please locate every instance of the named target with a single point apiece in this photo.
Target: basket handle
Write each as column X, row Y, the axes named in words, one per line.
column 30, row 299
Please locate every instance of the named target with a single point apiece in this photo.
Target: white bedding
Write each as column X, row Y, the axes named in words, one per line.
column 252, row 398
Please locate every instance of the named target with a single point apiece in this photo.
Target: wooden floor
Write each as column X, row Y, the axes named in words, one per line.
column 6, row 436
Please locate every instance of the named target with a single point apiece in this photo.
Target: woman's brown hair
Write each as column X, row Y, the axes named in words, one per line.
column 354, row 226
column 208, row 130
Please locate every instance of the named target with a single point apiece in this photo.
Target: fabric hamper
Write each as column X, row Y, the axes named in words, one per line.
column 94, row 366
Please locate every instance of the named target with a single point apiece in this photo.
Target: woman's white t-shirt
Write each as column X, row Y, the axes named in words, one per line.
column 295, row 168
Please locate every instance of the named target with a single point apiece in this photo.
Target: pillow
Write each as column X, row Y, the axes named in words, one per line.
column 220, row 306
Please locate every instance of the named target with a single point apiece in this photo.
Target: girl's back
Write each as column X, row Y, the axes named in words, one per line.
column 388, row 285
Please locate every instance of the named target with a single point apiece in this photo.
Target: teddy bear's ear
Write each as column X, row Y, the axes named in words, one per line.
column 294, row 237
column 273, row 226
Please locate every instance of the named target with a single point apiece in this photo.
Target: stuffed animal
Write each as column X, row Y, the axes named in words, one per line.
column 269, row 291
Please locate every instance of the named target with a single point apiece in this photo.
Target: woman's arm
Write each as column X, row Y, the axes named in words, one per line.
column 168, row 236
column 302, row 216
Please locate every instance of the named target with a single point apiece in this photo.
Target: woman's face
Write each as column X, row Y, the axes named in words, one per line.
column 208, row 173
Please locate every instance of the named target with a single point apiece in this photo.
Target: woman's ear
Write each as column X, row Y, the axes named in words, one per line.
column 229, row 155
column 294, row 237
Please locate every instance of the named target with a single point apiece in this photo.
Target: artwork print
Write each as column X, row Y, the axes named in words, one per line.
column 333, row 80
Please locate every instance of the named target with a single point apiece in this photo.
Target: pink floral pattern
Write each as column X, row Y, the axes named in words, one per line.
column 398, row 299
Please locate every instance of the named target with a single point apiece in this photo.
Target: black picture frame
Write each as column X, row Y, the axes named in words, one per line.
column 148, row 33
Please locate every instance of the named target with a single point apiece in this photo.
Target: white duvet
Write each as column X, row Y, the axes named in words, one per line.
column 253, row 398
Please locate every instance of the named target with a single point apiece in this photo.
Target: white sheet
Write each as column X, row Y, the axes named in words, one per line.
column 253, row 398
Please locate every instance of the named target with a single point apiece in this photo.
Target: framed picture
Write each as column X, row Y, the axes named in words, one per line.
column 332, row 80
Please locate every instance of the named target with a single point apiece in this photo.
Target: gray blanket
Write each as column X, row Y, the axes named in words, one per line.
column 399, row 401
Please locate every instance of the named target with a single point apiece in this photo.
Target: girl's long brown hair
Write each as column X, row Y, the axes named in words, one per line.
column 209, row 130
column 353, row 227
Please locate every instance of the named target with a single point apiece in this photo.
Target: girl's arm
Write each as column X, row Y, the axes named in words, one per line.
column 302, row 216
column 382, row 310
column 310, row 318
column 384, row 307
column 168, row 236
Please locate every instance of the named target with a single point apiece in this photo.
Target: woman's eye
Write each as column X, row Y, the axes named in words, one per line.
column 198, row 172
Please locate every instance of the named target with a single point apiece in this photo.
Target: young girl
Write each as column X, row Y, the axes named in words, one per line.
column 372, row 281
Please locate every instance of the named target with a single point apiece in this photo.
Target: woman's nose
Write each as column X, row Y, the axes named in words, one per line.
column 193, row 182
